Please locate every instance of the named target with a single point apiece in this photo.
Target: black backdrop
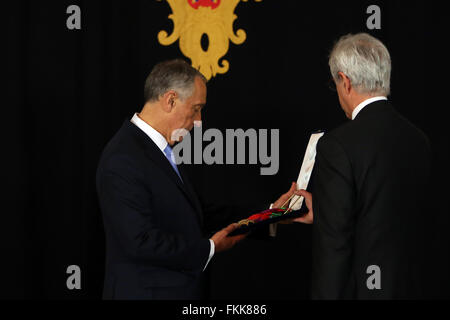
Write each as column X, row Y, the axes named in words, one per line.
column 68, row 91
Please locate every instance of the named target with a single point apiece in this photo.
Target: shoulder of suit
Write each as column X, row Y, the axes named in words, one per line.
column 341, row 133
column 331, row 142
column 122, row 149
column 351, row 127
column 124, row 141
column 120, row 161
column 419, row 132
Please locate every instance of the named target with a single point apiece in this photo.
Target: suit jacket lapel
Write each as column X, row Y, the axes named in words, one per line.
column 154, row 153
column 192, row 193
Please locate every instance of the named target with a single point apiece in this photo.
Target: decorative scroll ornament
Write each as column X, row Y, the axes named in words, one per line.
column 194, row 19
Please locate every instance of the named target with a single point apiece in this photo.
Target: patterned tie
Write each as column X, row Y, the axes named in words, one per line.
column 169, row 155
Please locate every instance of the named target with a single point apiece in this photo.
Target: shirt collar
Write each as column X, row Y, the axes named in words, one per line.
column 156, row 137
column 364, row 104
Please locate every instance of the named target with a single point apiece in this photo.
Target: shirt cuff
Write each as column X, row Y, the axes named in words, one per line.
column 211, row 253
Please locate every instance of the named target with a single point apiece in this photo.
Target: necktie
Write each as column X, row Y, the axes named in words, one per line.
column 169, row 155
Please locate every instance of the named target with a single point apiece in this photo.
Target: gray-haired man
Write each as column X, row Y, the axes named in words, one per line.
column 367, row 238
column 157, row 243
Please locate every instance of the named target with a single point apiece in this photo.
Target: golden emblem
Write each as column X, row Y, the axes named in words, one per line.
column 192, row 20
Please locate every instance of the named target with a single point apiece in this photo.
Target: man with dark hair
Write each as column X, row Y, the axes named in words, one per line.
column 369, row 175
column 155, row 244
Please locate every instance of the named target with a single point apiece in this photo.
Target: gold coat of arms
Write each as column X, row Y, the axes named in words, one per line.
column 192, row 20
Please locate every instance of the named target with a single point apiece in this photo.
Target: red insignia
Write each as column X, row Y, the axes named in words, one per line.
column 204, row 3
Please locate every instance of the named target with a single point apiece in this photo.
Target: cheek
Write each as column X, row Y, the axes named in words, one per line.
column 191, row 115
column 188, row 118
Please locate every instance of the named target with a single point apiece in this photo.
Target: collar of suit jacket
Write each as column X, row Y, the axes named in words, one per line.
column 156, row 137
column 365, row 103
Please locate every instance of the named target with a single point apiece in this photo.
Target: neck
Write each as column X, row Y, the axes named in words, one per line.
column 152, row 117
column 356, row 100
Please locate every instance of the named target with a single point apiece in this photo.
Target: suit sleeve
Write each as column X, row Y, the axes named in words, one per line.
column 125, row 203
column 334, row 221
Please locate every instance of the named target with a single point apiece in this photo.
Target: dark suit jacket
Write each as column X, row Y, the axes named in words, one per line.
column 368, row 185
column 156, row 247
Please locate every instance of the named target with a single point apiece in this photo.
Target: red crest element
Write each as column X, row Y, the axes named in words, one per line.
column 204, row 3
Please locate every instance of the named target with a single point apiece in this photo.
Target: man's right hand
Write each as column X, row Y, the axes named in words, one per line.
column 221, row 240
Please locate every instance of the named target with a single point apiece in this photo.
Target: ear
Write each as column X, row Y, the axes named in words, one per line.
column 347, row 84
column 169, row 100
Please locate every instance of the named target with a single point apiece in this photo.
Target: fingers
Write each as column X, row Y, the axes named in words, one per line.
column 302, row 192
column 232, row 241
column 239, row 237
column 301, row 220
column 221, row 240
column 288, row 194
column 293, row 187
column 305, row 219
column 307, row 195
column 290, row 191
column 231, row 228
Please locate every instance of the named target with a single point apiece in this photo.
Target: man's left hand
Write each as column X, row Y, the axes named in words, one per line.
column 285, row 197
column 307, row 218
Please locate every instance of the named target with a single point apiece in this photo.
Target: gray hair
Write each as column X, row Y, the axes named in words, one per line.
column 175, row 75
column 365, row 61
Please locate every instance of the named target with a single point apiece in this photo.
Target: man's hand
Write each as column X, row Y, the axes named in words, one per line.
column 306, row 219
column 221, row 240
column 285, row 197
column 309, row 217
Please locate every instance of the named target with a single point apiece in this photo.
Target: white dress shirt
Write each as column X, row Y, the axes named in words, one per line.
column 363, row 104
column 161, row 142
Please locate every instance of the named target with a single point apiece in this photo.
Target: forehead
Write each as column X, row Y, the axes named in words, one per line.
column 200, row 91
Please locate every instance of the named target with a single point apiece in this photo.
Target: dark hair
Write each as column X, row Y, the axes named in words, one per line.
column 175, row 75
